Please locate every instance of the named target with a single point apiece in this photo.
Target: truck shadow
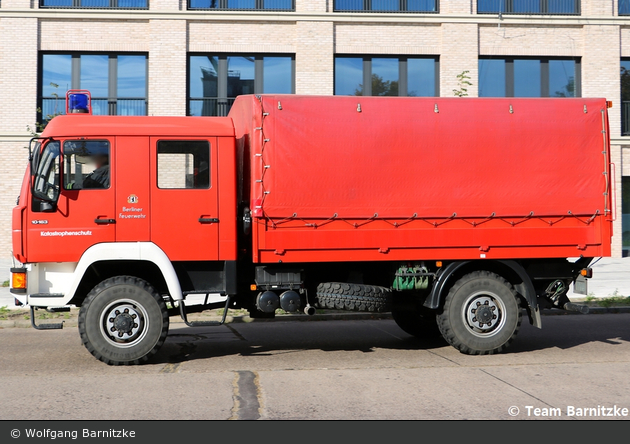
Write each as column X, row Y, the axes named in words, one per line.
column 282, row 338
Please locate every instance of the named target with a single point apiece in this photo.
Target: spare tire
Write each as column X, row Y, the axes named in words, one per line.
column 354, row 297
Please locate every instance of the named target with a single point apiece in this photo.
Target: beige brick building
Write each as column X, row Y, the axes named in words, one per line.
column 592, row 37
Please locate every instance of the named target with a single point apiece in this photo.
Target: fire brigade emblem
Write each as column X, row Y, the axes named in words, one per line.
column 132, row 199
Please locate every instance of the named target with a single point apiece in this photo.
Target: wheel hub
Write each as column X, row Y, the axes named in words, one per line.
column 483, row 314
column 123, row 323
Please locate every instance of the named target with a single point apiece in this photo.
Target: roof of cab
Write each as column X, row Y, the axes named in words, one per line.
column 85, row 125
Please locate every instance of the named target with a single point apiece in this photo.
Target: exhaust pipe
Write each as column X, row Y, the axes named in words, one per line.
column 309, row 310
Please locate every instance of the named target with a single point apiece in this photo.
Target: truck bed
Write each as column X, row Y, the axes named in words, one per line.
column 375, row 178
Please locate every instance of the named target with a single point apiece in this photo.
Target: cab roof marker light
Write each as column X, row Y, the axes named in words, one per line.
column 78, row 101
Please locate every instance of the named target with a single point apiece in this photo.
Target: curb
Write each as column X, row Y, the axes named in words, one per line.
column 72, row 322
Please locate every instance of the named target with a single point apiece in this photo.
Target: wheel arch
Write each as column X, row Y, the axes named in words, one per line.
column 144, row 260
column 510, row 270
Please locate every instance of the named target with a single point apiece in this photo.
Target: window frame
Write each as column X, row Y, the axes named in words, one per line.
column 403, row 8
column 508, row 6
column 76, row 4
column 62, row 173
column 75, row 79
column 222, row 75
column 402, row 71
column 223, row 6
column 157, row 162
column 544, row 73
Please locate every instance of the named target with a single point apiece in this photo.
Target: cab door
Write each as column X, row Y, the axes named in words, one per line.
column 184, row 198
column 78, row 175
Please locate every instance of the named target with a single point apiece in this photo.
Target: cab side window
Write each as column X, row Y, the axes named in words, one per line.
column 183, row 164
column 86, row 164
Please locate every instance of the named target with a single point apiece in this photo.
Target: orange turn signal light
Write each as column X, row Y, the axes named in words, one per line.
column 587, row 272
column 253, row 287
column 608, row 103
column 438, row 264
column 18, row 280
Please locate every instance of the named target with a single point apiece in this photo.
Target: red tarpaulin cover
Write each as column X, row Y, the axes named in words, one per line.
column 357, row 156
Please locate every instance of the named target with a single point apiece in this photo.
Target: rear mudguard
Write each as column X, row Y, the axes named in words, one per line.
column 445, row 279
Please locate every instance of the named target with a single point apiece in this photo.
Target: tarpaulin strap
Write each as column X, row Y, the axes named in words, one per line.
column 265, row 166
column 512, row 223
column 588, row 221
column 475, row 223
column 405, row 222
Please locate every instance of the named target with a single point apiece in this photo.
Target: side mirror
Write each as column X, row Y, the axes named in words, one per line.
column 42, row 206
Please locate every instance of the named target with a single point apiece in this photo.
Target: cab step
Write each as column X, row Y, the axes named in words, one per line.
column 50, row 326
column 182, row 312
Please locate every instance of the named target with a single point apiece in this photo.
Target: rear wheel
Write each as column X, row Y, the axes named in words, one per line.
column 123, row 320
column 481, row 314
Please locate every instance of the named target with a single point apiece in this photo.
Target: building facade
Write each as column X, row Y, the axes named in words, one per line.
column 192, row 57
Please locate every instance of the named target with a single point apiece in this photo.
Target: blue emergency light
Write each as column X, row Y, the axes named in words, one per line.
column 78, row 101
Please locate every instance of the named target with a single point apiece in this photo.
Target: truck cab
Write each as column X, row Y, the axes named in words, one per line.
column 109, row 196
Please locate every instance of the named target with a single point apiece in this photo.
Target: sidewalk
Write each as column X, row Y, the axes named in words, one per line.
column 609, row 275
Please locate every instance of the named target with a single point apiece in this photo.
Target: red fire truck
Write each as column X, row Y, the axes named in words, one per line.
column 453, row 214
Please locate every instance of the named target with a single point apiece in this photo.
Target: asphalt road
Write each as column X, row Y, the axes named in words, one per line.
column 365, row 369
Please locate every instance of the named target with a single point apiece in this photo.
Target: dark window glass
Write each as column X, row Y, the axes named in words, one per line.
column 527, row 78
column 86, row 164
column 277, row 75
column 122, row 94
column 491, row 78
column 624, row 7
column 561, row 78
column 566, row 7
column 95, row 76
column 183, row 164
column 422, row 5
column 348, row 76
column 625, row 97
column 56, row 80
column 101, row 4
column 215, row 81
column 543, row 77
column 386, row 5
column 240, row 76
column 349, row 5
column 625, row 214
column 386, row 76
column 280, row 5
column 421, row 77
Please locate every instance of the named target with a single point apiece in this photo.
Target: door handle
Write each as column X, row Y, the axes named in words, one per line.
column 208, row 220
column 104, row 221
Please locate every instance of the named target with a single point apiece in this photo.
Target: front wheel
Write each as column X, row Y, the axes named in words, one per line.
column 123, row 320
column 481, row 314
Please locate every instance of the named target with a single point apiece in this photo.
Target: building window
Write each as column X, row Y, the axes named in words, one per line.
column 98, row 4
column 624, row 7
column 625, row 215
column 529, row 77
column 117, row 82
column 215, row 80
column 543, row 7
column 387, row 76
column 625, row 97
column 243, row 5
column 386, row 6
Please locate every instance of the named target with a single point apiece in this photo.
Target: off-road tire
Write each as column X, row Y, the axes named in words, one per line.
column 413, row 318
column 148, row 328
column 461, row 332
column 353, row 297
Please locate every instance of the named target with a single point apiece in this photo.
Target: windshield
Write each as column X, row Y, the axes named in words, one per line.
column 46, row 172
